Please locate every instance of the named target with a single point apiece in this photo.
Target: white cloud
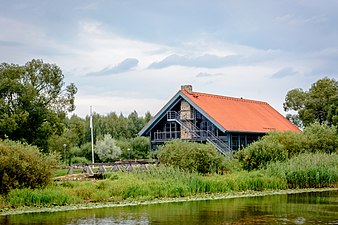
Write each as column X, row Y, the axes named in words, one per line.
column 221, row 48
column 206, row 61
column 204, row 74
column 122, row 67
column 104, row 104
column 287, row 71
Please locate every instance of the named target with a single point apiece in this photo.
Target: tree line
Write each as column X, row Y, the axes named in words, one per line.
column 35, row 102
column 112, row 132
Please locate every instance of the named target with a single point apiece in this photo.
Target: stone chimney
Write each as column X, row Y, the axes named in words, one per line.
column 187, row 88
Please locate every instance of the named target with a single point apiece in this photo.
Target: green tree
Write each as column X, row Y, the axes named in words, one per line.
column 33, row 102
column 140, row 147
column 321, row 138
column 147, row 117
column 319, row 104
column 73, row 136
column 77, row 126
column 107, row 149
column 118, row 126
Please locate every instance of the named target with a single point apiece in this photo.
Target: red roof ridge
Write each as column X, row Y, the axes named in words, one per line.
column 196, row 94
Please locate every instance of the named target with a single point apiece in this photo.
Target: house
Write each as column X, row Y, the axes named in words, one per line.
column 226, row 122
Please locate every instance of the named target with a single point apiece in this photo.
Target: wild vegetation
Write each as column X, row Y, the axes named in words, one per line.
column 280, row 146
column 37, row 136
column 24, row 166
column 304, row 170
column 318, row 104
column 163, row 182
column 307, row 170
column 191, row 156
column 33, row 102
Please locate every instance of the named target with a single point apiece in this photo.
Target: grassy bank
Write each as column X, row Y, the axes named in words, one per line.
column 156, row 183
column 160, row 182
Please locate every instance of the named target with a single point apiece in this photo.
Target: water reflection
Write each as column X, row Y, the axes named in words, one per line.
column 304, row 208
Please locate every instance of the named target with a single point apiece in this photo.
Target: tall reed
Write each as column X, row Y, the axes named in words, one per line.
column 158, row 182
column 308, row 170
column 40, row 197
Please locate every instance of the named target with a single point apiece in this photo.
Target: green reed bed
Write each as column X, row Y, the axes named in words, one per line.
column 46, row 197
column 240, row 181
column 308, row 170
column 168, row 182
column 160, row 182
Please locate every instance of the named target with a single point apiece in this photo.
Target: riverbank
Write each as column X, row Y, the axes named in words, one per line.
column 161, row 183
column 124, row 203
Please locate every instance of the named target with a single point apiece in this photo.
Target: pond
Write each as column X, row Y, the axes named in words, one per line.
column 300, row 208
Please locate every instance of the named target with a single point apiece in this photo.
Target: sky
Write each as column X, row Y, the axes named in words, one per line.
column 126, row 55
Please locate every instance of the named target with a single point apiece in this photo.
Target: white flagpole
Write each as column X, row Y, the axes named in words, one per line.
column 91, row 132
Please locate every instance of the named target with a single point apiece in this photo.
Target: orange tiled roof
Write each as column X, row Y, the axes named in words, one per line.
column 236, row 114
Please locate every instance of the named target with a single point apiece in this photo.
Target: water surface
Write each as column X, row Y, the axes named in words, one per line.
column 301, row 208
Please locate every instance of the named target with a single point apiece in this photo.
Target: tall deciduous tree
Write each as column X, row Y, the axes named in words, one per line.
column 318, row 104
column 33, row 101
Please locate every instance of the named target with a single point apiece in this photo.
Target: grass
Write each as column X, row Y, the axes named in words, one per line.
column 51, row 196
column 160, row 182
column 64, row 171
column 157, row 182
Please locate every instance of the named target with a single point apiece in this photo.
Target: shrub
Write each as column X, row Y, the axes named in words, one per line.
column 278, row 146
column 78, row 160
column 292, row 142
column 24, row 166
column 191, row 156
column 321, row 137
column 259, row 153
column 140, row 147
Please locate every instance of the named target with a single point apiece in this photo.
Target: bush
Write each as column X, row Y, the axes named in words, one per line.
column 278, row 146
column 258, row 154
column 191, row 156
column 24, row 166
column 140, row 147
column 292, row 142
column 79, row 160
column 321, row 138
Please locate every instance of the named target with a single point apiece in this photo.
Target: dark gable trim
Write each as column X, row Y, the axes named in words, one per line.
column 163, row 112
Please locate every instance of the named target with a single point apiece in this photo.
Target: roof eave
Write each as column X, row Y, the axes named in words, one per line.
column 146, row 129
